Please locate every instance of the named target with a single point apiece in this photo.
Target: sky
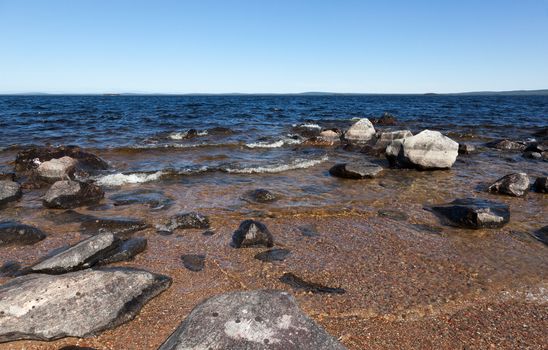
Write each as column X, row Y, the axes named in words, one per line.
column 278, row 46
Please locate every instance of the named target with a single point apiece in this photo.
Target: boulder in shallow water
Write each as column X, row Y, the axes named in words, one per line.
column 155, row 200
column 253, row 320
column 9, row 191
column 57, row 168
column 252, row 234
column 361, row 131
column 260, row 195
column 541, row 184
column 474, row 213
column 16, row 233
column 70, row 194
column 516, row 185
column 76, row 304
column 32, row 157
column 119, row 226
column 428, row 150
column 356, row 170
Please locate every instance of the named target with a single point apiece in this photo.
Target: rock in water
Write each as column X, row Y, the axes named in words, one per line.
column 193, row 262
column 70, row 194
column 516, row 185
column 155, row 200
column 542, row 235
column 541, row 184
column 385, row 138
column 298, row 283
column 9, row 191
column 252, row 234
column 428, row 150
column 260, row 196
column 31, row 158
column 125, row 251
column 474, row 213
column 188, row 221
column 356, row 170
column 466, row 148
column 361, row 131
column 76, row 304
column 119, row 226
column 57, row 168
column 273, row 255
column 252, row 320
column 386, row 119
column 13, row 232
column 507, row 145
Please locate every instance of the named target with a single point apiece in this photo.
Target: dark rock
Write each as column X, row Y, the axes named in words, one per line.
column 252, row 320
column 541, row 235
column 308, row 230
column 10, row 268
column 31, row 158
column 118, row 226
column 273, row 255
column 541, row 184
column 193, row 262
column 69, row 216
column 532, row 155
column 386, row 119
column 516, row 185
column 356, row 170
column 507, row 145
column 155, row 200
column 76, row 304
column 252, row 234
column 208, row 233
column 70, row 194
column 466, row 148
column 260, row 196
column 184, row 221
column 393, row 214
column 219, row 130
column 308, row 130
column 13, row 232
column 7, row 175
column 474, row 213
column 9, row 191
column 125, row 251
column 298, row 283
column 427, row 228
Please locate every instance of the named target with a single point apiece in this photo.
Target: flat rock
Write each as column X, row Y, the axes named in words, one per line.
column 155, row 200
column 356, row 170
column 361, row 131
column 541, row 184
column 507, row 145
column 260, row 195
column 277, row 254
column 76, row 304
column 16, row 233
column 251, row 320
column 252, row 234
column 193, row 262
column 57, row 168
column 474, row 213
column 313, row 287
column 125, row 251
column 428, row 150
column 9, row 191
column 516, row 185
column 70, row 194
column 542, row 235
column 184, row 221
column 31, row 158
column 119, row 226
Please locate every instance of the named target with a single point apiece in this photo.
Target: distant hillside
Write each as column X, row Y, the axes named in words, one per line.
column 508, row 93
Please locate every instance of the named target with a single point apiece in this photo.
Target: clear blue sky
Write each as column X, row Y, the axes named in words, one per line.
column 95, row 46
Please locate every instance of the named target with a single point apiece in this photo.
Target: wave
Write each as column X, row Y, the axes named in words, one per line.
column 296, row 164
column 186, row 134
column 307, row 125
column 119, row 179
column 290, row 140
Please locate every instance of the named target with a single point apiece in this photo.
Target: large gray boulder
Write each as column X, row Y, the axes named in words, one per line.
column 516, row 185
column 428, row 150
column 356, row 170
column 16, row 233
column 70, row 194
column 57, row 168
column 262, row 319
column 9, row 191
column 473, row 213
column 362, row 131
column 76, row 304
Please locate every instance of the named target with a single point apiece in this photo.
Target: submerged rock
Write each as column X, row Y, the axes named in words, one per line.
column 356, row 170
column 76, row 304
column 507, row 145
column 298, row 283
column 277, row 254
column 31, row 158
column 252, row 234
column 308, row 130
column 428, row 150
column 393, row 214
column 541, row 235
column 125, row 251
column 474, row 213
column 9, row 191
column 260, row 196
column 57, row 168
column 309, row 230
column 16, row 233
column 193, row 262
column 184, row 221
column 516, row 185
column 155, row 200
column 361, row 131
column 253, row 320
column 541, row 184
column 70, row 194
column 118, row 226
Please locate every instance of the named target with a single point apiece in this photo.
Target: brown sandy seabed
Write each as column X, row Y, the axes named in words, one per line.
column 406, row 287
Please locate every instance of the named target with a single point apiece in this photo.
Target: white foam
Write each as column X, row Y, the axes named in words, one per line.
column 178, row 135
column 296, row 164
column 307, row 125
column 119, row 179
column 275, row 144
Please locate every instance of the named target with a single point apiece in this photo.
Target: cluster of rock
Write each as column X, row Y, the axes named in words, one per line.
column 530, row 149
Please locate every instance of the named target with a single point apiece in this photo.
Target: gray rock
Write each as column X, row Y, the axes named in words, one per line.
column 466, row 148
column 119, row 226
column 31, row 158
column 57, row 168
column 251, row 320
column 541, row 184
column 184, row 221
column 474, row 213
column 507, row 145
column 155, row 200
column 356, row 170
column 515, row 185
column 428, row 150
column 80, row 256
column 386, row 137
column 386, row 119
column 16, row 233
column 252, row 234
column 9, row 191
column 76, row 304
column 260, row 196
column 193, row 262
column 277, row 254
column 361, row 131
column 125, row 251
column 70, row 194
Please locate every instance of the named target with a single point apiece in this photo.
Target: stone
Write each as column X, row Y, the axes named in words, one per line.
column 31, row 158
column 252, row 320
column 9, row 191
column 125, row 251
column 356, row 170
column 541, row 235
column 466, row 148
column 119, row 226
column 68, row 194
column 312, row 287
column 393, row 214
column 260, row 196
column 386, row 119
column 155, row 200
column 16, row 233
column 541, row 184
column 77, row 304
column 361, row 131
column 507, row 145
column 307, row 130
column 329, row 136
column 57, row 168
column 10, row 268
column 516, row 185
column 252, row 234
column 385, row 138
column 185, row 221
column 277, row 254
column 308, row 230
column 474, row 213
column 193, row 262
column 428, row 150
